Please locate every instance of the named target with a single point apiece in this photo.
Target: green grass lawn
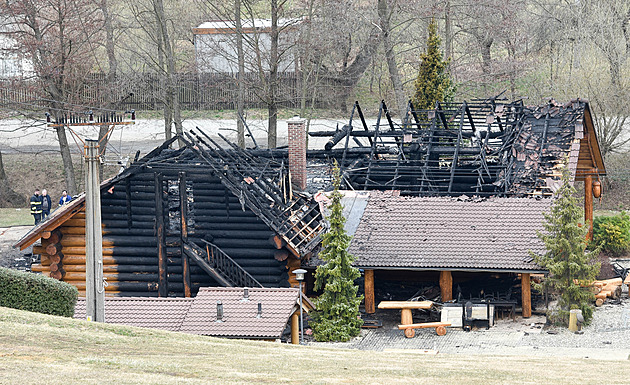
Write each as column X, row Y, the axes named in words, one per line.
column 36, row 349
column 15, row 217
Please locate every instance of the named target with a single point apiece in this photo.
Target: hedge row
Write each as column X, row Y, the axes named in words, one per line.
column 36, row 293
column 612, row 233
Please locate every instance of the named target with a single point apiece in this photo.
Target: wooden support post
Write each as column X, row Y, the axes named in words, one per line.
column 161, row 237
column 406, row 318
column 526, row 293
column 446, row 285
column 588, row 206
column 183, row 211
column 368, row 288
column 95, row 286
column 295, row 328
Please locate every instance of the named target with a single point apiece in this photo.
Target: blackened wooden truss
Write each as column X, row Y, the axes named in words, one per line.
column 263, row 185
column 482, row 147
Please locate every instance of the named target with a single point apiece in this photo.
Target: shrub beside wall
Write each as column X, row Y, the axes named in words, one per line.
column 612, row 233
column 36, row 293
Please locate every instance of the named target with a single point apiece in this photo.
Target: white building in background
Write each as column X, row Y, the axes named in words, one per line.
column 13, row 62
column 215, row 45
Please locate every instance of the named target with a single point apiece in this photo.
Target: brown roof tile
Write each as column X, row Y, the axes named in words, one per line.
column 199, row 315
column 240, row 316
column 450, row 233
column 155, row 313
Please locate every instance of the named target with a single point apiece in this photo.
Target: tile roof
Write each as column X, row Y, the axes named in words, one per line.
column 450, row 233
column 239, row 315
column 199, row 315
column 154, row 313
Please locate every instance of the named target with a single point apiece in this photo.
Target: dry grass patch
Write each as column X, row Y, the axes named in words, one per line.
column 15, row 217
column 34, row 347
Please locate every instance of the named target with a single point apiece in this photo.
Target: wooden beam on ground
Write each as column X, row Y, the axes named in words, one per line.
column 160, row 232
column 526, row 293
column 446, row 285
column 368, row 286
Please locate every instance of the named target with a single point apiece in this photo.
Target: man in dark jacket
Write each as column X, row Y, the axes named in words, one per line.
column 46, row 204
column 36, row 206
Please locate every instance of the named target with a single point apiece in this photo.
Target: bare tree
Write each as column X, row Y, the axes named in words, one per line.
column 385, row 14
column 57, row 35
column 240, row 57
column 153, row 30
column 589, row 48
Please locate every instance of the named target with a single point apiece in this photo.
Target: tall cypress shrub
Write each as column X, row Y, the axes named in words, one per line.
column 337, row 316
column 571, row 267
column 433, row 83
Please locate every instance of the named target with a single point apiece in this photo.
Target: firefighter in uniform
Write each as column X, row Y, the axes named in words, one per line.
column 36, row 206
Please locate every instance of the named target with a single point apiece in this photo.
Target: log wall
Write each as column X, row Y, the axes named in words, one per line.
column 130, row 248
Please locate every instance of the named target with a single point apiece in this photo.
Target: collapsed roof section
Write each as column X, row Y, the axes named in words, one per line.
column 483, row 147
column 261, row 183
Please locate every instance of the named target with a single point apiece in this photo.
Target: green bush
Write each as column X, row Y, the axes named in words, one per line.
column 36, row 293
column 612, row 233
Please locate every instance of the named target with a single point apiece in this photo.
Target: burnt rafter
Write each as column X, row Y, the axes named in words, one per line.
column 259, row 183
column 480, row 147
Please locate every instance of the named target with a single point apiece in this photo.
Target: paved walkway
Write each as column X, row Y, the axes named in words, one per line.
column 607, row 338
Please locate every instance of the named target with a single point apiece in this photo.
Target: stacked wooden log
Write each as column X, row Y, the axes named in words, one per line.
column 52, row 257
column 608, row 288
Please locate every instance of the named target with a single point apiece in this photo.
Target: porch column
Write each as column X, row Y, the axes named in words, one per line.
column 368, row 288
column 526, row 295
column 446, row 285
column 588, row 205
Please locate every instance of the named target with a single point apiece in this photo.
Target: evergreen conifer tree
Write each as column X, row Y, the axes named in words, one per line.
column 337, row 316
column 433, row 83
column 571, row 267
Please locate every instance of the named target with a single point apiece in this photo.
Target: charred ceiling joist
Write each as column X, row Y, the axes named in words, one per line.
column 482, row 147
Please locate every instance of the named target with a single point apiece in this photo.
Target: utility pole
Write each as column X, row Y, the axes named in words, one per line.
column 94, row 282
column 93, row 155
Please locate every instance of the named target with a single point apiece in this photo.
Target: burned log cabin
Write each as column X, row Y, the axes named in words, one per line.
column 178, row 220
column 210, row 213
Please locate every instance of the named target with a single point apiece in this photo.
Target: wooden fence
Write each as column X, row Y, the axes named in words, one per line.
column 145, row 91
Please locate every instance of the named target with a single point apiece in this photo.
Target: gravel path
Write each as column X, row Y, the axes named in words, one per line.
column 10, row 257
column 607, row 337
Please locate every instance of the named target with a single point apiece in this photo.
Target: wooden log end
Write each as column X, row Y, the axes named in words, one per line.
column 281, row 255
column 53, row 248
column 410, row 333
column 599, row 302
column 440, row 330
column 277, row 242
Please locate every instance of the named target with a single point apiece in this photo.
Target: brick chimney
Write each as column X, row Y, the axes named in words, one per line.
column 297, row 151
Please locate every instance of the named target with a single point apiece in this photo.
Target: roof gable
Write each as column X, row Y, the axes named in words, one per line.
column 240, row 315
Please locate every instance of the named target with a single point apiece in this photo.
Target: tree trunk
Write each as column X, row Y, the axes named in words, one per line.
column 8, row 197
column 240, row 97
column 112, row 64
column 158, row 9
column 68, row 167
column 272, row 103
column 3, row 175
column 384, row 14
column 448, row 30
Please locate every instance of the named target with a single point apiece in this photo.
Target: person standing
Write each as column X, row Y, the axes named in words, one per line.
column 46, row 204
column 65, row 198
column 36, row 206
